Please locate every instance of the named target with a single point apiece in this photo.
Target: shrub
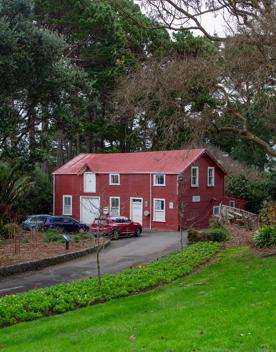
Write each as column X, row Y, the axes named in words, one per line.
column 265, row 236
column 267, row 214
column 10, row 230
column 215, row 223
column 195, row 236
column 53, row 236
column 81, row 293
column 216, row 234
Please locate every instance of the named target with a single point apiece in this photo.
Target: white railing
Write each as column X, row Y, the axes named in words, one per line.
column 239, row 216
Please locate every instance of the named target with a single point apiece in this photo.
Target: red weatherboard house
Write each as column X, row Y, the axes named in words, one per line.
column 161, row 190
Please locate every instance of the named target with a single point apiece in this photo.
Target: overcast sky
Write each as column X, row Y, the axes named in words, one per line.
column 214, row 25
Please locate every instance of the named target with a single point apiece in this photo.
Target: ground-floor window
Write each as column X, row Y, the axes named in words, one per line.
column 232, row 203
column 216, row 210
column 159, row 212
column 67, row 205
column 114, row 206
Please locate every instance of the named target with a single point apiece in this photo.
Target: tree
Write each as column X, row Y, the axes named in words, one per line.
column 246, row 66
column 12, row 188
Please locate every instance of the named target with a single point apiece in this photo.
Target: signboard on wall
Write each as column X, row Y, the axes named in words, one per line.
column 196, row 199
column 105, row 210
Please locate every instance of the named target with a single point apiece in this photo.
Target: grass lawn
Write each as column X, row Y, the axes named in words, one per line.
column 229, row 306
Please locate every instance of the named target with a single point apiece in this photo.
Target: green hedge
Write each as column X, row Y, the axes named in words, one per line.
column 265, row 236
column 216, row 232
column 80, row 293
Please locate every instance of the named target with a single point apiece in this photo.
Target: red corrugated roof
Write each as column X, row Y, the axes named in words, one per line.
column 173, row 161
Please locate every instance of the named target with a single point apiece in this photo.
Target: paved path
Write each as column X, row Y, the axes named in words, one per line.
column 119, row 255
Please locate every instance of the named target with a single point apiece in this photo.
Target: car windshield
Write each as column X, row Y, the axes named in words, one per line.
column 35, row 219
column 120, row 220
column 100, row 222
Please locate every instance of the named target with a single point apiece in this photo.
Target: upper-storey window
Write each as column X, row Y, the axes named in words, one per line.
column 89, row 182
column 114, row 179
column 194, row 176
column 211, row 176
column 159, row 180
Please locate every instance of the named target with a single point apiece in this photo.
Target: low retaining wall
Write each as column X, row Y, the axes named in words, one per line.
column 45, row 262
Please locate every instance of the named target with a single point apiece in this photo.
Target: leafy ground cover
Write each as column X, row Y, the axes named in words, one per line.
column 227, row 307
column 65, row 297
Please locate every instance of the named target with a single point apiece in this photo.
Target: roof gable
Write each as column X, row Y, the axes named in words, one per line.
column 173, row 161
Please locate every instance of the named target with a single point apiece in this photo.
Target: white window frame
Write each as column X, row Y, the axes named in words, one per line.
column 155, row 178
column 63, row 204
column 232, row 203
column 216, row 207
column 84, row 182
column 110, row 179
column 212, row 184
column 197, row 176
column 110, row 206
column 154, row 210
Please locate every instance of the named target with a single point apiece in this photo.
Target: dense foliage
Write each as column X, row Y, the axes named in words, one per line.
column 80, row 293
column 216, row 233
column 256, row 192
column 266, row 236
column 101, row 76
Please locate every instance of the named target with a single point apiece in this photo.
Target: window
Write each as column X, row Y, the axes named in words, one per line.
column 114, row 206
column 159, row 210
column 159, row 180
column 211, row 177
column 216, row 210
column 194, row 176
column 232, row 203
column 89, row 182
column 67, row 205
column 100, row 221
column 114, row 179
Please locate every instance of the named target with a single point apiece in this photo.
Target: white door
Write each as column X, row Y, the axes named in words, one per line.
column 136, row 209
column 89, row 209
column 89, row 182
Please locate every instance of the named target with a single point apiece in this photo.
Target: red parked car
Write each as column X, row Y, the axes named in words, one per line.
column 116, row 227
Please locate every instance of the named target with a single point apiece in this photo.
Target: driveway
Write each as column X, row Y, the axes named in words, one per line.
column 119, row 255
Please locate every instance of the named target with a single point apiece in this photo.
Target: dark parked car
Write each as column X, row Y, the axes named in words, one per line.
column 64, row 223
column 35, row 221
column 116, row 227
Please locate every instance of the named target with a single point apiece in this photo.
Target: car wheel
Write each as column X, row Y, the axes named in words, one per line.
column 137, row 232
column 81, row 230
column 115, row 235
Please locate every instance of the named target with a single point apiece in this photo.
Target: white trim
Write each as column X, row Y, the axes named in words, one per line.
column 154, row 218
column 54, row 194
column 110, row 179
column 130, row 207
column 110, row 205
column 94, row 197
column 63, row 204
column 159, row 184
column 197, row 179
column 211, row 184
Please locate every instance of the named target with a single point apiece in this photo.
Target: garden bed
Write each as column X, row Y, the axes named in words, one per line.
column 35, row 249
column 80, row 293
column 242, row 237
